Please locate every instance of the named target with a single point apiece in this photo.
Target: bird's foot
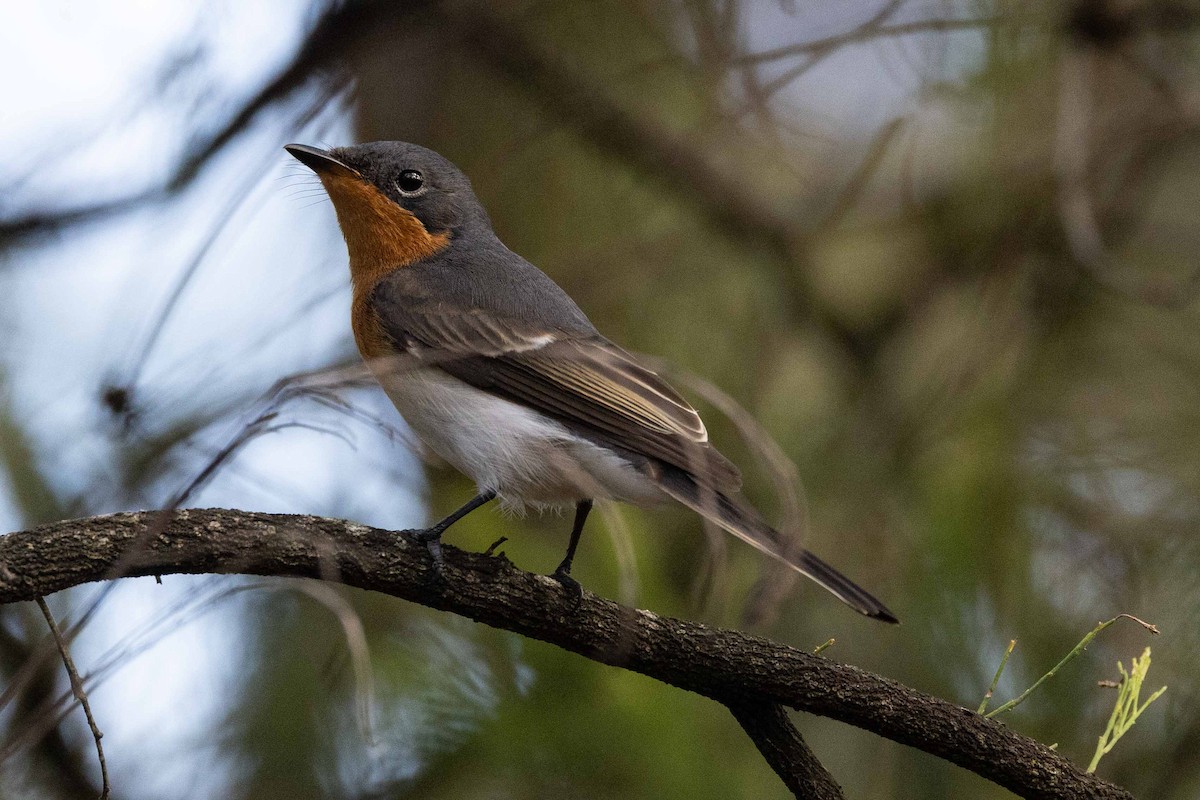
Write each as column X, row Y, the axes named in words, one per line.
column 432, row 539
column 570, row 585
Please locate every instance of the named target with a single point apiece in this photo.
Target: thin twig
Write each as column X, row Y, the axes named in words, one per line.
column 820, row 49
column 29, row 689
column 78, row 691
column 865, row 33
column 1079, row 648
column 996, row 678
column 1127, row 708
column 880, row 145
column 823, row 646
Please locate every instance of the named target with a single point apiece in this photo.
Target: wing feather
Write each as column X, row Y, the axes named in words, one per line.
column 577, row 377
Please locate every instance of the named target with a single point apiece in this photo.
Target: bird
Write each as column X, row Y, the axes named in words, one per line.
column 497, row 370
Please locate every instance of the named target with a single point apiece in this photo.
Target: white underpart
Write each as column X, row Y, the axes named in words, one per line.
column 524, row 456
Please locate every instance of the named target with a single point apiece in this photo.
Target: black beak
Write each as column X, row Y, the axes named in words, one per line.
column 319, row 161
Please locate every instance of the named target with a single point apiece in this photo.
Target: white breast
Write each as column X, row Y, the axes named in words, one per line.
column 523, row 455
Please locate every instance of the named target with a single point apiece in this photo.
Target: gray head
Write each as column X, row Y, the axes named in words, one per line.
column 416, row 178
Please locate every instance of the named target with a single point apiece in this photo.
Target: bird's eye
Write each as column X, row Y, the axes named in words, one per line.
column 410, row 182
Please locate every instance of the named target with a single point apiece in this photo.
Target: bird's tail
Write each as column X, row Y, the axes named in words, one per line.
column 745, row 523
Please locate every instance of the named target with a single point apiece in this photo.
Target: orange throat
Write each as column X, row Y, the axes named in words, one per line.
column 380, row 237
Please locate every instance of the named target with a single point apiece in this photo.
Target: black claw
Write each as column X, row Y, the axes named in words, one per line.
column 432, row 536
column 563, row 573
column 434, row 546
column 569, row 584
column 432, row 539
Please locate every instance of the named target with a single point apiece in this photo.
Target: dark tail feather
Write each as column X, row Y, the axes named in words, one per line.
column 746, row 524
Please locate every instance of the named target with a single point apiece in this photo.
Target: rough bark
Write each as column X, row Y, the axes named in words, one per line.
column 768, row 726
column 737, row 669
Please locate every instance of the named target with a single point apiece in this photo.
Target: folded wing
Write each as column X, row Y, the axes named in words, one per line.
column 575, row 376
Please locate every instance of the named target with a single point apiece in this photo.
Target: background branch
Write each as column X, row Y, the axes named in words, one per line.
column 732, row 667
column 29, row 685
column 79, row 692
column 775, row 736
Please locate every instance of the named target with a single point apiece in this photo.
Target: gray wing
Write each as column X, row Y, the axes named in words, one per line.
column 570, row 373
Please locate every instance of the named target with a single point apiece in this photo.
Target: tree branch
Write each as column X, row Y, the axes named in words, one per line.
column 865, row 33
column 728, row 666
column 767, row 724
column 29, row 685
column 80, row 693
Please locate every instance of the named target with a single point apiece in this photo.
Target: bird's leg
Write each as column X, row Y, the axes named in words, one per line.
column 432, row 537
column 563, row 573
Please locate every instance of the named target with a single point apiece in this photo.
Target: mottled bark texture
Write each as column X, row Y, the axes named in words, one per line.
column 754, row 677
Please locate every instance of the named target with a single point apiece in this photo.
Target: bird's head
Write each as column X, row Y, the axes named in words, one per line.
column 397, row 203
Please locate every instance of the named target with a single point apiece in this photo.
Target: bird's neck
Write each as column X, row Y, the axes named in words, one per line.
column 381, row 237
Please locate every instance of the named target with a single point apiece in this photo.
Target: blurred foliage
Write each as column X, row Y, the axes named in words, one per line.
column 946, row 256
